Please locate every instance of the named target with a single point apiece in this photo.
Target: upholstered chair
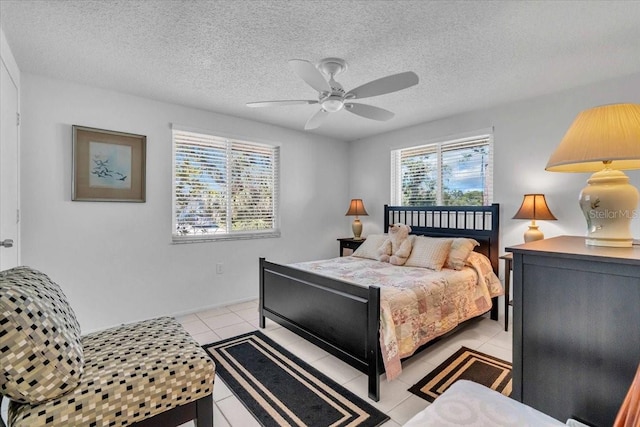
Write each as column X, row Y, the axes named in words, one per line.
column 150, row 373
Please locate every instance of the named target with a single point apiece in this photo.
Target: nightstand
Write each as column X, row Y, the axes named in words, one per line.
column 508, row 266
column 349, row 243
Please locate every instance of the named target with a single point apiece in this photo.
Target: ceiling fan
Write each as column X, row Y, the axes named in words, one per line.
column 332, row 97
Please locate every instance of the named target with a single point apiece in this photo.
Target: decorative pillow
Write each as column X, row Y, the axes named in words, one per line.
column 429, row 252
column 369, row 248
column 41, row 354
column 460, row 250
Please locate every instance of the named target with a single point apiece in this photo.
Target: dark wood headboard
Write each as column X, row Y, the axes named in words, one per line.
column 476, row 222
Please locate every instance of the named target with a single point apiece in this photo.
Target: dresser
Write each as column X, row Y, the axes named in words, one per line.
column 576, row 327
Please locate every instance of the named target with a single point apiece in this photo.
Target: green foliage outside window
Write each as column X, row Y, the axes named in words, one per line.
column 223, row 187
column 455, row 173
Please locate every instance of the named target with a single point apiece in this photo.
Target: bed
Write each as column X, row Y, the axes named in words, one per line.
column 344, row 318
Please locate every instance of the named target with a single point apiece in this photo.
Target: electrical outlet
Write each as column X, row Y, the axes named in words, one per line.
column 219, row 268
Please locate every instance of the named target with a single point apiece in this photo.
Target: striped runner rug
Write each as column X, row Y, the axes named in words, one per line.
column 466, row 364
column 279, row 389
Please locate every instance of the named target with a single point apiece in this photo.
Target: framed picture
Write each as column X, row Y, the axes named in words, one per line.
column 108, row 166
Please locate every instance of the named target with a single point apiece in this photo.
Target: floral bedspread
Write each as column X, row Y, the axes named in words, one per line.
column 417, row 304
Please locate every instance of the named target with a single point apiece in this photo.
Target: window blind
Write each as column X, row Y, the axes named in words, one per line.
column 450, row 173
column 224, row 188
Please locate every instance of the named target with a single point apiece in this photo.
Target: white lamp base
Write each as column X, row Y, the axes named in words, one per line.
column 609, row 204
column 533, row 233
column 357, row 229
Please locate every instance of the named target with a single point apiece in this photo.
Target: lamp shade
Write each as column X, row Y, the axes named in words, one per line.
column 534, row 206
column 604, row 140
column 608, row 133
column 356, row 208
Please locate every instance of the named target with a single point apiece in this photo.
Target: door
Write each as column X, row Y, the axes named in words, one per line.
column 9, row 214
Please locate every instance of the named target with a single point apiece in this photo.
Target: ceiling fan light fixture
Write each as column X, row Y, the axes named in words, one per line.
column 332, row 104
column 332, row 96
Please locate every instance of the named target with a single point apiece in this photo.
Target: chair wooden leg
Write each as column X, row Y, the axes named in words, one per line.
column 200, row 411
column 204, row 411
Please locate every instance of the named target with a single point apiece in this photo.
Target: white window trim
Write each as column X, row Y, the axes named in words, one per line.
column 396, row 172
column 236, row 235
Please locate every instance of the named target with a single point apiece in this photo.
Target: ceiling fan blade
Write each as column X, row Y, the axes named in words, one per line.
column 280, row 103
column 316, row 120
column 310, row 74
column 384, row 85
column 370, row 112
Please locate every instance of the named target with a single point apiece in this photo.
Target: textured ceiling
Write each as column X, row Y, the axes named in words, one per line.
column 219, row 55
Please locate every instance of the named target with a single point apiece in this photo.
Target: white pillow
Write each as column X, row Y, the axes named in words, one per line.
column 369, row 248
column 429, row 252
column 460, row 250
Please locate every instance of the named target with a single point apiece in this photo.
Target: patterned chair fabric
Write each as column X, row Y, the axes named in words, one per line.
column 130, row 373
column 41, row 354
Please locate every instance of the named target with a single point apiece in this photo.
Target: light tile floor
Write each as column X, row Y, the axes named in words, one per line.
column 482, row 334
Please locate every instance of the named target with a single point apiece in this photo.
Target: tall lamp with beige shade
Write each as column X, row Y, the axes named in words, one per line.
column 534, row 206
column 604, row 140
column 356, row 208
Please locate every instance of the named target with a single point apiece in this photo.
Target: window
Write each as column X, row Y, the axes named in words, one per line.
column 223, row 188
column 451, row 173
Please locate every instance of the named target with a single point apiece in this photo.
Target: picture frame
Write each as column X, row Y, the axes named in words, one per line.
column 108, row 166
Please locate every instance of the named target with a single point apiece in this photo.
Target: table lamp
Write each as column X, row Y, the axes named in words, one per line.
column 604, row 140
column 356, row 208
column 534, row 206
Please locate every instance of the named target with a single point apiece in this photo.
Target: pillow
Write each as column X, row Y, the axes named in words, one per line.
column 41, row 356
column 429, row 252
column 369, row 248
column 460, row 250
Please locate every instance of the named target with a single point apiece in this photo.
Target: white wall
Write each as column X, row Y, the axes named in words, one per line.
column 7, row 58
column 525, row 135
column 115, row 261
column 8, row 120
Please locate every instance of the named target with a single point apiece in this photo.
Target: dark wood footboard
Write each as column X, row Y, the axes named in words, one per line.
column 343, row 318
column 327, row 312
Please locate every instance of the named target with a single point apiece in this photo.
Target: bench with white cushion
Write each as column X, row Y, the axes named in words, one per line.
column 466, row 403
